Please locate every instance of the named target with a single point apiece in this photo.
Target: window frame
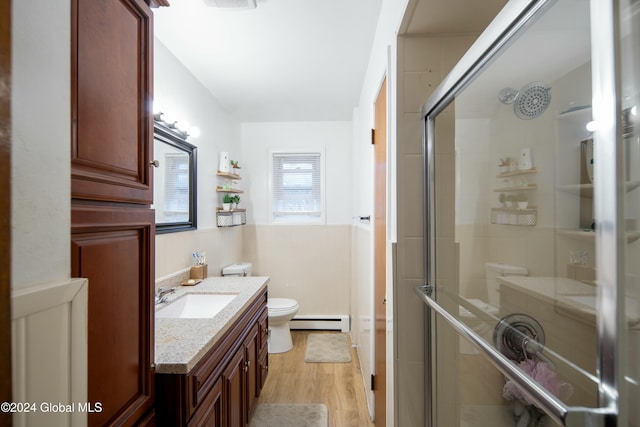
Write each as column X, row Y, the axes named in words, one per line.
column 299, row 218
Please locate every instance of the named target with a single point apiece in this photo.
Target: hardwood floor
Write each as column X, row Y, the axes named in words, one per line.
column 337, row 385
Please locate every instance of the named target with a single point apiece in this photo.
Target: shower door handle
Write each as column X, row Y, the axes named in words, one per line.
column 568, row 416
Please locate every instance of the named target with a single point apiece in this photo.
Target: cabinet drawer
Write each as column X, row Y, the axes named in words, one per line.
column 263, row 322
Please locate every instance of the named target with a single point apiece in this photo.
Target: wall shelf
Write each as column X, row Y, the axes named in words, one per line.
column 512, row 216
column 516, row 173
column 234, row 217
column 228, row 175
column 228, row 190
column 517, row 188
column 231, row 218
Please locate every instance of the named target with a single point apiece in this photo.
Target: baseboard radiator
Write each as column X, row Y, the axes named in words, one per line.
column 329, row 322
column 49, row 350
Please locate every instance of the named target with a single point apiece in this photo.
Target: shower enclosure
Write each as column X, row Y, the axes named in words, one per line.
column 532, row 201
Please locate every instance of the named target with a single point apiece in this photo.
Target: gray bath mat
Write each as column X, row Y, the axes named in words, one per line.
column 328, row 348
column 289, row 415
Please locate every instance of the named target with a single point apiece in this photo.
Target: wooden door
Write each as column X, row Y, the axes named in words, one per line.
column 112, row 89
column 5, row 208
column 380, row 255
column 112, row 225
column 234, row 390
column 113, row 247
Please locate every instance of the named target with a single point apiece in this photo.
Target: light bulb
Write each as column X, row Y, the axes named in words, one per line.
column 592, row 126
column 193, row 132
column 182, row 125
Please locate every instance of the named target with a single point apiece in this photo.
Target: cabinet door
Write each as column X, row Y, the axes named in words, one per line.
column 209, row 413
column 113, row 248
column 112, row 122
column 252, row 368
column 234, row 390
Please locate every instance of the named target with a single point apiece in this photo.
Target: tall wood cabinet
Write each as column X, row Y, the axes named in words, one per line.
column 112, row 225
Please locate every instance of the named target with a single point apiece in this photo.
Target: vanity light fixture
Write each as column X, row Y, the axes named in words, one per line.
column 181, row 127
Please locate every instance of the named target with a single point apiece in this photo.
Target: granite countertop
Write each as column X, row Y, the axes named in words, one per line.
column 181, row 343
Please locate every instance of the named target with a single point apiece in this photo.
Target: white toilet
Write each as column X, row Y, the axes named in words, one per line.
column 493, row 270
column 280, row 311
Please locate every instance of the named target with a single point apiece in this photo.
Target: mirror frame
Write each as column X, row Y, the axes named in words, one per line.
column 173, row 138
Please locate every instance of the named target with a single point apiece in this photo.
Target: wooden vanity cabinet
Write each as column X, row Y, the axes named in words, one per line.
column 223, row 388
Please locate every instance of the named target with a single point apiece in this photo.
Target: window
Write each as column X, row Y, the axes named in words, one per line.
column 296, row 190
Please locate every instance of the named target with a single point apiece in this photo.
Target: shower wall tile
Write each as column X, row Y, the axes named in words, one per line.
column 422, row 53
column 412, row 133
column 413, row 190
column 410, row 397
column 411, row 312
column 413, row 258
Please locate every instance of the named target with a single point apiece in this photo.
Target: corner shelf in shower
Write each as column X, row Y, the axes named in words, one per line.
column 512, row 216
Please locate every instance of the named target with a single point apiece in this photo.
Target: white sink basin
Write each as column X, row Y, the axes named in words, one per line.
column 196, row 306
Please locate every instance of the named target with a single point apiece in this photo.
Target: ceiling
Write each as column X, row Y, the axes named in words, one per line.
column 296, row 60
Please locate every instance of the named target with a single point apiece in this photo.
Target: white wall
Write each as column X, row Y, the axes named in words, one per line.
column 333, row 138
column 179, row 93
column 381, row 63
column 309, row 263
column 41, row 135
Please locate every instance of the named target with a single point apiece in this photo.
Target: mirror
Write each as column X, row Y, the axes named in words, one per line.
column 174, row 192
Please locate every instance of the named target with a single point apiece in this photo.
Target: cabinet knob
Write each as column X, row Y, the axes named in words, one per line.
column 155, row 163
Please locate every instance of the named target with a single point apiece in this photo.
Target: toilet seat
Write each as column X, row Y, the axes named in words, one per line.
column 275, row 305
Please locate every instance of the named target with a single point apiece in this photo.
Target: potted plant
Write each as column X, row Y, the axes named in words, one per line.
column 510, row 200
column 505, row 162
column 502, row 199
column 521, row 200
column 235, row 167
column 226, row 202
column 235, row 202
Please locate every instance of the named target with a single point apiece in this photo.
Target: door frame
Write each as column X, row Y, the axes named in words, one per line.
column 380, row 253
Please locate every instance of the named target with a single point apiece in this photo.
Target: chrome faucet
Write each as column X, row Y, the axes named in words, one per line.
column 162, row 293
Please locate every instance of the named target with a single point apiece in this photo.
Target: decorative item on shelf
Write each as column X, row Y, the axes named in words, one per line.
column 235, row 201
column 235, row 167
column 510, row 200
column 522, row 201
column 526, row 162
column 227, row 199
column 503, row 199
column 505, row 163
column 224, row 162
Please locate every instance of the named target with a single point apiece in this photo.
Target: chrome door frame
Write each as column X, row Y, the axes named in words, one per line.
column 608, row 199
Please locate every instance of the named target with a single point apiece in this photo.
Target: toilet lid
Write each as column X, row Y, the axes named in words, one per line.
column 275, row 304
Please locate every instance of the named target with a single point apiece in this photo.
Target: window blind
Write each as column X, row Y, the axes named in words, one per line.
column 176, row 188
column 296, row 189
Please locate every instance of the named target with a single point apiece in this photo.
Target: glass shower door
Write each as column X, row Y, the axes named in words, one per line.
column 532, row 168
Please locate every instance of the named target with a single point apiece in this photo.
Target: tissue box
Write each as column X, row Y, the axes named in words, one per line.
column 198, row 272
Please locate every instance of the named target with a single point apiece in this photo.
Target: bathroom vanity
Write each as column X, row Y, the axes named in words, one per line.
column 210, row 370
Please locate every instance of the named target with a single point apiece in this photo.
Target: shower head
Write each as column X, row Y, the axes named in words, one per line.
column 528, row 103
column 532, row 100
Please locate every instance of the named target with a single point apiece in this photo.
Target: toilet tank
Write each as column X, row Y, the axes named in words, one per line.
column 239, row 269
column 493, row 270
